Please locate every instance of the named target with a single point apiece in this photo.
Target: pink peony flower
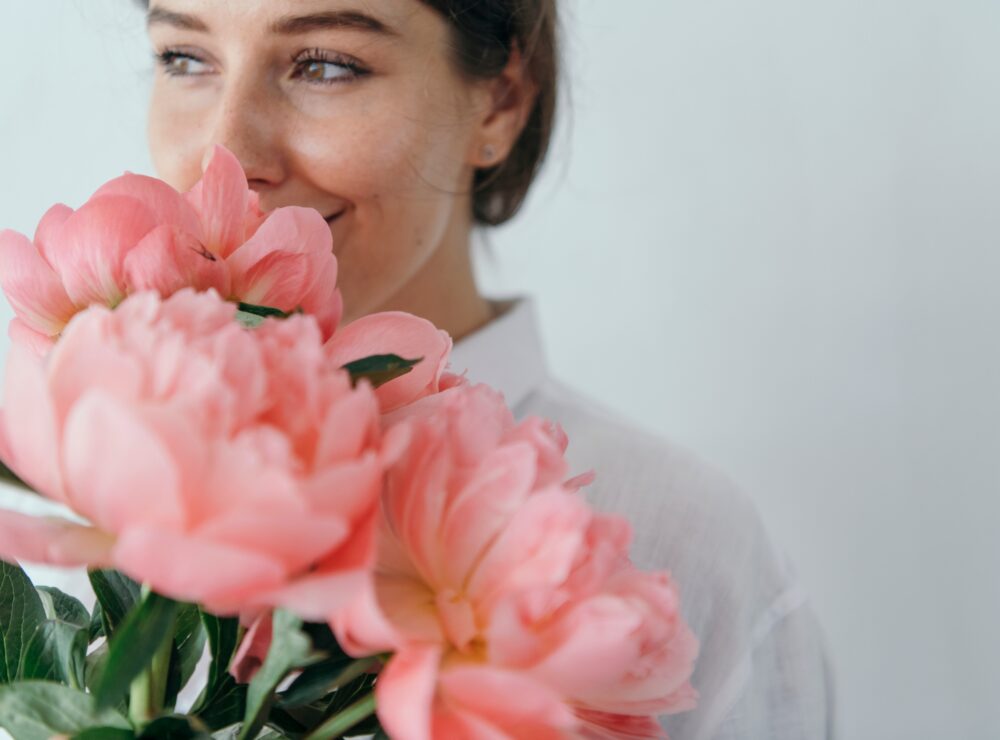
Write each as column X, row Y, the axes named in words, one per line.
column 511, row 606
column 231, row 467
column 137, row 233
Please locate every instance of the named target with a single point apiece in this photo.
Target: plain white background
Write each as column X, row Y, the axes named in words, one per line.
column 769, row 231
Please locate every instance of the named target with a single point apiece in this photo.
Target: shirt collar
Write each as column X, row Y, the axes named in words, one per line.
column 506, row 353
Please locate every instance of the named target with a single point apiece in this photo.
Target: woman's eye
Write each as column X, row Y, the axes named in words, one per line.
column 179, row 64
column 318, row 68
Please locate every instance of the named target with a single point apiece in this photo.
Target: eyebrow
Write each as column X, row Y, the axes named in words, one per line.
column 285, row 26
column 292, row 24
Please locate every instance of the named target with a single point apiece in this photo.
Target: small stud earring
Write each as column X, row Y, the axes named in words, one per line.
column 489, row 153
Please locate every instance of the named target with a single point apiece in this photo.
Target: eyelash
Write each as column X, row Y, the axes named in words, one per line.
column 301, row 60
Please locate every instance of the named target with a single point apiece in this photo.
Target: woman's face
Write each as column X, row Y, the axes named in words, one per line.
column 350, row 107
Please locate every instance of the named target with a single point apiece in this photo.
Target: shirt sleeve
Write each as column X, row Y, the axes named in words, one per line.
column 782, row 690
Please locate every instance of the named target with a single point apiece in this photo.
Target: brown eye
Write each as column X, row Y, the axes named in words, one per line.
column 318, row 70
column 322, row 67
column 181, row 65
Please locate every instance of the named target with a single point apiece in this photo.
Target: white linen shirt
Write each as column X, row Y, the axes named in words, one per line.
column 762, row 670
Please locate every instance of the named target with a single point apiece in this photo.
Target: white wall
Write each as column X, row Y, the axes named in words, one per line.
column 772, row 236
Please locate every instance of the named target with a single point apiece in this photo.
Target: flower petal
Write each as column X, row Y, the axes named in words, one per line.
column 189, row 569
column 405, row 691
column 402, row 334
column 513, row 703
column 89, row 250
column 52, row 540
column 169, row 208
column 286, row 261
column 253, row 649
column 119, row 472
column 33, row 288
column 222, row 199
column 537, row 548
column 29, row 424
column 169, row 259
column 20, row 333
column 48, row 228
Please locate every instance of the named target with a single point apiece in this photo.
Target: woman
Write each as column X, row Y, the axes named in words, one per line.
column 407, row 123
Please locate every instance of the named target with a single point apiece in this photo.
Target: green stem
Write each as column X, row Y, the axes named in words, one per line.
column 344, row 720
column 149, row 689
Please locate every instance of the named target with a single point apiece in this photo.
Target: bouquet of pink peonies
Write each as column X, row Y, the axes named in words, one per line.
column 352, row 539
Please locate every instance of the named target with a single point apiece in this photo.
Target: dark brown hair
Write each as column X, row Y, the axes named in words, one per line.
column 485, row 34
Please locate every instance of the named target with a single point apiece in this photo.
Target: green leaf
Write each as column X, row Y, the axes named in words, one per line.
column 95, row 666
column 249, row 320
column 117, row 595
column 263, row 311
column 290, row 649
column 133, row 646
column 56, row 652
column 379, row 369
column 223, row 701
column 189, row 644
column 104, row 733
column 227, row 705
column 62, row 606
column 175, row 727
column 96, row 622
column 37, row 710
column 320, row 679
column 21, row 612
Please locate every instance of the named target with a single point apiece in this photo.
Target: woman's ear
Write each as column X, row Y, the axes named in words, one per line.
column 509, row 99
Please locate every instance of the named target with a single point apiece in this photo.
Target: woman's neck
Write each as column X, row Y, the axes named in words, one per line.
column 444, row 289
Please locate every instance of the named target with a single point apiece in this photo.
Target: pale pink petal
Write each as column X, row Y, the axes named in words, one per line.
column 312, row 597
column 20, row 333
column 29, row 423
column 283, row 264
column 405, row 692
column 49, row 227
column 295, row 539
column 109, row 455
column 361, row 626
column 33, row 288
column 324, row 300
column 608, row 726
column 169, row 208
column 253, row 649
column 537, row 548
column 89, row 250
column 401, row 334
column 349, row 489
column 514, row 703
column 169, row 259
column 277, row 280
column 188, row 569
column 485, row 505
column 411, row 607
column 85, row 358
column 52, row 541
column 350, row 425
column 222, row 198
column 591, row 644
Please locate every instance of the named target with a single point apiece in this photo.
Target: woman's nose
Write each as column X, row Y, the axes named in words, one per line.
column 246, row 123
